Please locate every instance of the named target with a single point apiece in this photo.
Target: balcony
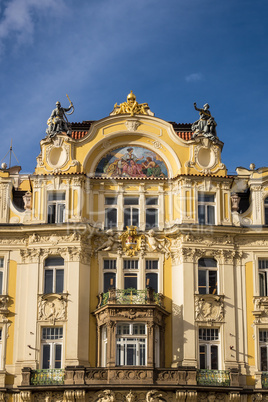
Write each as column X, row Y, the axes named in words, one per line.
column 264, row 379
column 129, row 376
column 42, row 377
column 213, row 378
column 130, row 296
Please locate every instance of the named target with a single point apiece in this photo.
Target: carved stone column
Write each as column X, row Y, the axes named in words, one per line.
column 80, row 395
column 111, row 327
column 180, row 396
column 26, row 396
column 69, row 396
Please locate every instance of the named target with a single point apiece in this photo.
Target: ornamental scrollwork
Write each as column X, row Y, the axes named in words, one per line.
column 106, row 396
column 154, row 396
column 52, row 307
column 209, row 308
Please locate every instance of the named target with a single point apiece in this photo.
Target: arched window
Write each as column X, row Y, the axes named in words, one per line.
column 207, row 276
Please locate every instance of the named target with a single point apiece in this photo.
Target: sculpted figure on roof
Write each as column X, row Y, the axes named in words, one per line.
column 206, row 124
column 131, row 106
column 58, row 121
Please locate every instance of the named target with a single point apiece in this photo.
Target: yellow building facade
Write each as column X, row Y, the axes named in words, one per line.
column 132, row 266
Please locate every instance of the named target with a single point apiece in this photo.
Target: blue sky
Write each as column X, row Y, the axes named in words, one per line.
column 171, row 53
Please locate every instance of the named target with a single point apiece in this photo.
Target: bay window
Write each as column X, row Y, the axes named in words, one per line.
column 131, row 344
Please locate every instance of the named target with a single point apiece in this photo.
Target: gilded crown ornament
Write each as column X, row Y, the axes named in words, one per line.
column 132, row 107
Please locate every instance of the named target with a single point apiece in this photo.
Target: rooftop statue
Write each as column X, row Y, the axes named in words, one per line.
column 58, row 121
column 131, row 106
column 206, row 124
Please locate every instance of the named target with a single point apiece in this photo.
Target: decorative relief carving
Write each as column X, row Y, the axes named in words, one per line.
column 106, row 396
column 157, row 244
column 52, row 307
column 154, row 396
column 131, row 397
column 209, row 308
column 260, row 309
column 132, row 242
column 4, row 299
column 132, row 124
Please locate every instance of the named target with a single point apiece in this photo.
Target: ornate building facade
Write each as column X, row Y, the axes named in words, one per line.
column 132, row 266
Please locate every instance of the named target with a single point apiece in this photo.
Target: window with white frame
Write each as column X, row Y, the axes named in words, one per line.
column 104, row 342
column 266, row 211
column 151, row 212
column 52, row 346
column 207, row 276
column 263, row 276
column 209, row 348
column 151, row 274
column 131, row 344
column 130, row 274
column 54, row 275
column 109, row 274
column 110, row 212
column 1, row 349
column 206, row 209
column 131, row 211
column 1, row 275
column 263, row 342
column 56, row 207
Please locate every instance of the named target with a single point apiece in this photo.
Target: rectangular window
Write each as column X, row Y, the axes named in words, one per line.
column 263, row 277
column 131, row 264
column 109, row 274
column 151, row 213
column 207, row 276
column 151, row 278
column 131, row 212
column 1, row 275
column 266, row 211
column 52, row 338
column 131, row 345
column 209, row 348
column 110, row 212
column 56, row 207
column 54, row 275
column 130, row 281
column 263, row 338
column 206, row 209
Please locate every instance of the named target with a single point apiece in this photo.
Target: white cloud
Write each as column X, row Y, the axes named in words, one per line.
column 194, row 77
column 18, row 17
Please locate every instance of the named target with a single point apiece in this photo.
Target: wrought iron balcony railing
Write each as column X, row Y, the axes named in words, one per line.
column 130, row 296
column 47, row 377
column 264, row 379
column 213, row 377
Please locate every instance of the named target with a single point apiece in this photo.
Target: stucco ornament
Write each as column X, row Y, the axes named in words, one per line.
column 108, row 244
column 58, row 121
column 154, row 396
column 130, row 397
column 132, row 242
column 206, row 124
column 157, row 244
column 52, row 307
column 132, row 107
column 106, row 396
column 209, row 308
